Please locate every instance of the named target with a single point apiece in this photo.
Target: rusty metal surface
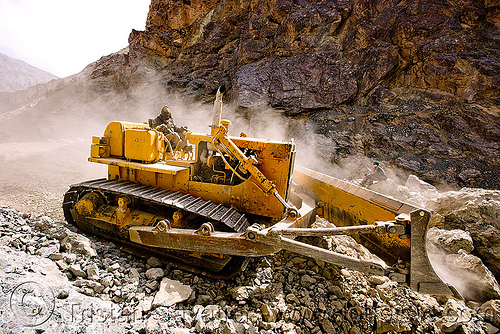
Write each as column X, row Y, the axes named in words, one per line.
column 345, row 204
column 180, row 260
column 105, row 225
column 187, row 239
column 326, row 231
column 266, row 237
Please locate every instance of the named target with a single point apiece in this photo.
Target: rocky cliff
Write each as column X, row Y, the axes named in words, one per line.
column 415, row 83
column 411, row 83
column 315, row 55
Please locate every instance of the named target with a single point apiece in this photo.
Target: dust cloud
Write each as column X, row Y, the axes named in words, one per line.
column 476, row 286
column 44, row 147
column 45, row 142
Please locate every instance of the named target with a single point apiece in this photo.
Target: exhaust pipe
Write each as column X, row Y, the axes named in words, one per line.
column 217, row 113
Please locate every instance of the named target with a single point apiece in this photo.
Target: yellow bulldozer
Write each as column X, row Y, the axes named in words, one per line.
column 209, row 209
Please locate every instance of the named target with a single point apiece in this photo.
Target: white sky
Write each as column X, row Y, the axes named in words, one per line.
column 64, row 36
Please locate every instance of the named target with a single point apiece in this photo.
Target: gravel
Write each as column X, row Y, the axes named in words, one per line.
column 282, row 293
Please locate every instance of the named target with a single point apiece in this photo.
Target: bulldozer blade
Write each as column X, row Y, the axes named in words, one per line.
column 345, row 204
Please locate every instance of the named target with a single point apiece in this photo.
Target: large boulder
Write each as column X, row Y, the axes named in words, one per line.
column 449, row 251
column 451, row 240
column 77, row 243
column 476, row 211
column 477, row 282
column 490, row 311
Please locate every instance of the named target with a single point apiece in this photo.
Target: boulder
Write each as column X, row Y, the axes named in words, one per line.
column 241, row 293
column 154, row 262
column 133, row 273
column 92, row 272
column 476, row 211
column 171, row 292
column 328, row 326
column 77, row 270
column 456, row 318
column 307, row 281
column 269, row 312
column 414, row 184
column 154, row 273
column 48, row 251
column 204, row 299
column 114, row 267
column 467, row 273
column 77, row 243
column 490, row 311
column 145, row 304
column 451, row 240
column 153, row 326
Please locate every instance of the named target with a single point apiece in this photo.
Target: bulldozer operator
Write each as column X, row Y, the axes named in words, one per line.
column 377, row 174
column 176, row 135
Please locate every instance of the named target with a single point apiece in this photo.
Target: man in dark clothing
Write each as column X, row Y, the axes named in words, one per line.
column 165, row 117
column 175, row 135
column 377, row 174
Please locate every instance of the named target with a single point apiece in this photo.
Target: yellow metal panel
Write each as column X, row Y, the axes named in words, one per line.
column 346, row 204
column 115, row 133
column 104, row 151
column 94, row 151
column 142, row 145
column 245, row 197
column 113, row 172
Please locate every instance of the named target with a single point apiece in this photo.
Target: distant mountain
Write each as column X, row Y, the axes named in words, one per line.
column 16, row 75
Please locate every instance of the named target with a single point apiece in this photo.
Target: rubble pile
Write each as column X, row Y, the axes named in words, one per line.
column 476, row 211
column 98, row 288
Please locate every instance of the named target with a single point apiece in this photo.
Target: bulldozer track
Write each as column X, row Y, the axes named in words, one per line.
column 229, row 216
column 172, row 199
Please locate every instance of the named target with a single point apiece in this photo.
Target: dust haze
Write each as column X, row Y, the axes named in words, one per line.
column 45, row 142
column 44, row 145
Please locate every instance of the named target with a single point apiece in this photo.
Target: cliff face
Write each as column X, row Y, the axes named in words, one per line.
column 413, row 83
column 310, row 55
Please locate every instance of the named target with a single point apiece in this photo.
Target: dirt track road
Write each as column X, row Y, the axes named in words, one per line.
column 35, row 175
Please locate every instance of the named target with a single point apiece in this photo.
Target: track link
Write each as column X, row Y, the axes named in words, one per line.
column 163, row 197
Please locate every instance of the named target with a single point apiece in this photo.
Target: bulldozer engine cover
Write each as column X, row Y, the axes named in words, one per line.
column 143, row 145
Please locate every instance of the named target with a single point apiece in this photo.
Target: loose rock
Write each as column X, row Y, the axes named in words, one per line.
column 154, row 273
column 171, row 292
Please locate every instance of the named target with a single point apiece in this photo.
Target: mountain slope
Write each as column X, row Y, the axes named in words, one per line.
column 413, row 84
column 16, row 75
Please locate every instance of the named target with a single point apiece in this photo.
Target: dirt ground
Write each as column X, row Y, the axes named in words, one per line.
column 35, row 175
